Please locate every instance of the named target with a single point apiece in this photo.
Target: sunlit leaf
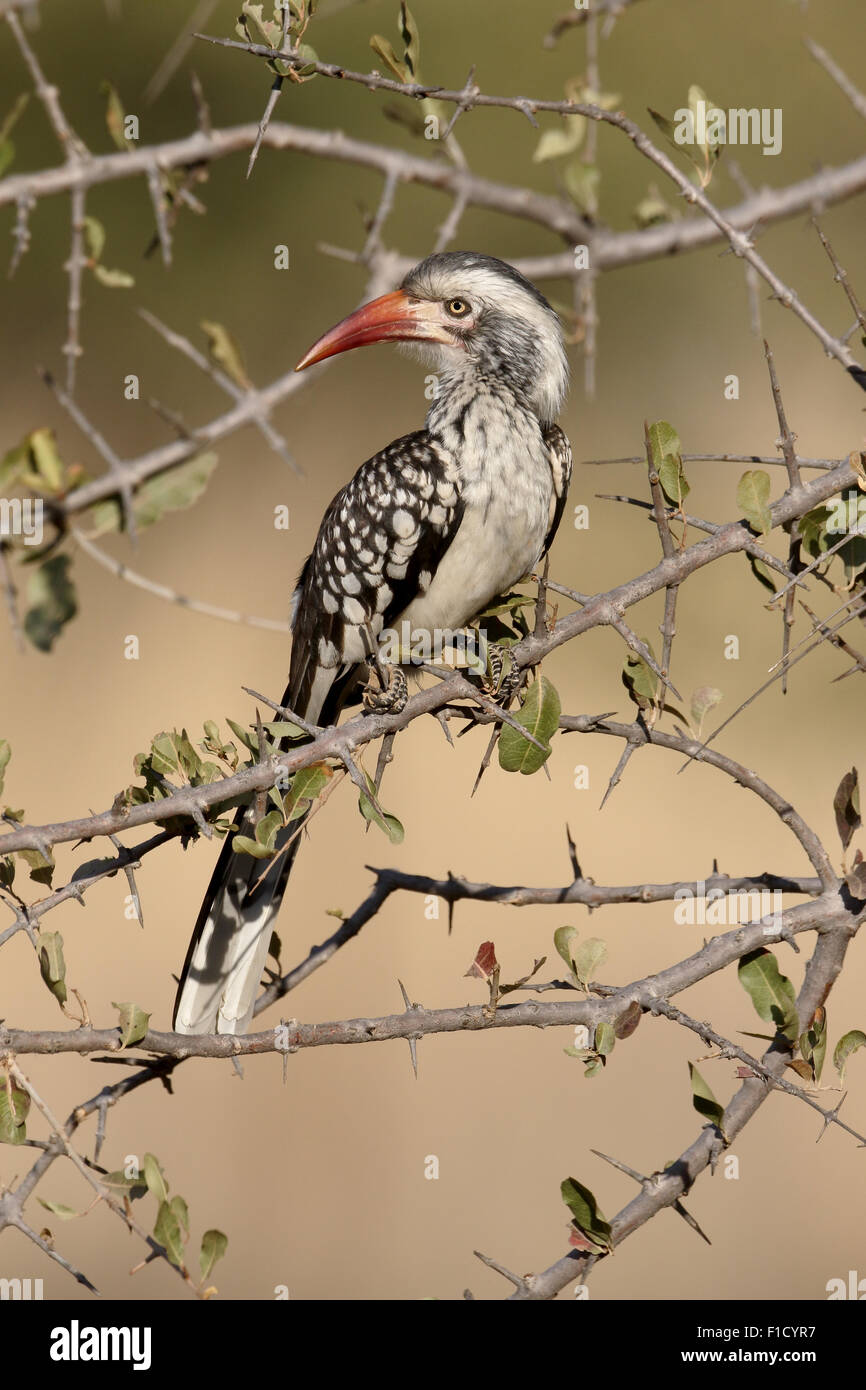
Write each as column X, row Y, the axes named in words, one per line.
column 586, row 1214
column 703, row 1099
column 753, row 494
column 771, row 992
column 539, row 715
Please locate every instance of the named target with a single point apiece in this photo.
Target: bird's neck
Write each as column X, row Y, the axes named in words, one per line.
column 472, row 406
column 494, row 438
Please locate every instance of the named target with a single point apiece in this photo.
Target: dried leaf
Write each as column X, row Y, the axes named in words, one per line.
column 485, row 962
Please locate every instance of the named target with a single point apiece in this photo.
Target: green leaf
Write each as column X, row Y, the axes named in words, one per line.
column 813, row 1043
column 411, row 38
column 640, row 680
column 134, row 1023
column 562, row 939
column 113, row 279
column 213, row 1246
column 703, row 1099
column 306, row 785
column 246, row 736
column 171, row 491
column 772, row 993
column 673, row 480
column 189, row 760
column 562, row 139
column 52, row 600
column 653, row 208
column 94, row 238
column 386, row 822
column 167, row 1231
column 710, row 148
column 753, row 493
column 7, row 155
column 224, row 351
column 154, row 1177
column 122, row 1186
column 10, row 121
column 14, row 1105
column 812, row 530
column 163, row 755
column 305, row 50
column 5, row 755
column 264, row 845
column 667, row 127
column 762, row 573
column 13, row 464
column 282, row 728
column 52, row 965
column 181, row 1211
column 702, row 154
column 705, row 698
column 41, row 868
column 588, row 956
column 605, row 1039
column 115, row 116
column 846, row 807
column 586, row 1214
column 847, row 1044
column 666, row 456
column 582, row 182
column 58, row 1209
column 46, row 460
column 383, row 49
column 539, row 715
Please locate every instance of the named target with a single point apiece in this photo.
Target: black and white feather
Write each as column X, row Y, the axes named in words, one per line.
column 428, row 531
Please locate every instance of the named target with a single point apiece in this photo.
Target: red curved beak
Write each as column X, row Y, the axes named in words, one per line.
column 393, row 316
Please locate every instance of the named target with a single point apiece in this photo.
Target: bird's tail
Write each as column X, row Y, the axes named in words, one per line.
column 226, row 956
column 229, row 946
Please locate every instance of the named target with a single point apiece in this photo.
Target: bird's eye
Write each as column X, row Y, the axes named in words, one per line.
column 458, row 308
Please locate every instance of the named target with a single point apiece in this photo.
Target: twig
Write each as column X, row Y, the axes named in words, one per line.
column 843, row 82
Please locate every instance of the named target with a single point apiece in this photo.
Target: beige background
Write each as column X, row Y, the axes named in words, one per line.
column 320, row 1183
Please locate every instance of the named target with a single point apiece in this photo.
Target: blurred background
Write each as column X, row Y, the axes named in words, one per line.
column 320, row 1183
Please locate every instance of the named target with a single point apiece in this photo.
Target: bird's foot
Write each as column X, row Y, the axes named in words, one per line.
column 504, row 677
column 390, row 693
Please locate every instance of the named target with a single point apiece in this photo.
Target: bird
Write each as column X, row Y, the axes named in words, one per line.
column 427, row 533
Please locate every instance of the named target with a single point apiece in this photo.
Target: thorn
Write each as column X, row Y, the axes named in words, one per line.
column 516, row 1279
column 830, row 1118
column 572, row 854
column 639, row 1178
column 690, row 1221
column 413, row 1042
column 443, row 724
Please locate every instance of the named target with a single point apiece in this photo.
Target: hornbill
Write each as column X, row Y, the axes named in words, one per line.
column 427, row 532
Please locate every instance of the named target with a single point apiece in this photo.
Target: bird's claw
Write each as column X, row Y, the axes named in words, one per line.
column 392, row 693
column 504, row 677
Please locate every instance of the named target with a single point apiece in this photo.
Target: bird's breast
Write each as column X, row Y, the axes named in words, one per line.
column 506, row 488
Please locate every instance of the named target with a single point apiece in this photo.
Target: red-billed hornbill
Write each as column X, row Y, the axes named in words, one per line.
column 428, row 532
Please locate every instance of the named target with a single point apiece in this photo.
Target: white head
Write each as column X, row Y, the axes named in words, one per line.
column 467, row 313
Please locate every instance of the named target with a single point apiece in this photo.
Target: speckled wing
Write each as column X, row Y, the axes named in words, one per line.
column 559, row 451
column 379, row 543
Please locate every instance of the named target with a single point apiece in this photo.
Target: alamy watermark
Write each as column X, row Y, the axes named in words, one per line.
column 707, row 125
column 22, row 517
column 698, row 907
